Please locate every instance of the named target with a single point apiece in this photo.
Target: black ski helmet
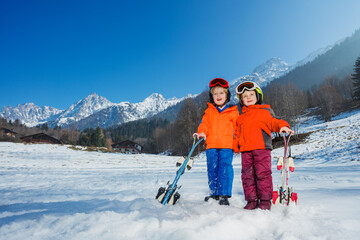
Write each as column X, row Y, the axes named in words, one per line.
column 221, row 83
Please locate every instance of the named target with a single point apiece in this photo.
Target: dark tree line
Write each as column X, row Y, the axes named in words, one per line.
column 140, row 129
column 287, row 101
column 92, row 137
column 177, row 137
column 333, row 96
column 356, row 80
column 328, row 99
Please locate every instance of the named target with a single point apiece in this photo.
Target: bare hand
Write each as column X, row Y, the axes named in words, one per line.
column 199, row 135
column 286, row 130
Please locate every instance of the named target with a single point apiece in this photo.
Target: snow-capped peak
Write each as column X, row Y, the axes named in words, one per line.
column 83, row 108
column 155, row 97
column 29, row 113
column 264, row 73
column 32, row 115
column 153, row 104
column 271, row 68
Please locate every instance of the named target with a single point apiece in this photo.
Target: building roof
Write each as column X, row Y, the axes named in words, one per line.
column 8, row 130
column 42, row 136
column 126, row 143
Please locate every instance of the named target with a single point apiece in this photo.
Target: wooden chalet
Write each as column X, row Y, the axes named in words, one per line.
column 127, row 146
column 7, row 132
column 40, row 138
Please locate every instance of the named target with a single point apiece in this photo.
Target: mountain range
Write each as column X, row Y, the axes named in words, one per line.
column 83, row 113
column 95, row 110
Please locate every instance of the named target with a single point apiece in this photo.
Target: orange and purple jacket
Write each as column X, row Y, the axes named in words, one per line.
column 219, row 127
column 254, row 127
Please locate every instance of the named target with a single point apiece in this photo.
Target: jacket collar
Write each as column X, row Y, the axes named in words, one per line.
column 226, row 108
column 256, row 106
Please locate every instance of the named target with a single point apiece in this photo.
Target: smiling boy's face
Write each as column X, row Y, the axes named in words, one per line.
column 219, row 95
column 248, row 98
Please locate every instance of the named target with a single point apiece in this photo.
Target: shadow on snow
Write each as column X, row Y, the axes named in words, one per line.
column 34, row 211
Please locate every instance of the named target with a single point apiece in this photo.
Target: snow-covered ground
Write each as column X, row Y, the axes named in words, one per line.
column 53, row 192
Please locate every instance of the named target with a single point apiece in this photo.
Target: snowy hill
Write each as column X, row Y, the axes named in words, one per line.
column 53, row 192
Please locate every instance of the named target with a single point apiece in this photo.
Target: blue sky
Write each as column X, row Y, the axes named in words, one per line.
column 55, row 53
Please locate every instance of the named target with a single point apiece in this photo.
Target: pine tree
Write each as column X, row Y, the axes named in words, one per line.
column 356, row 79
column 97, row 138
column 186, row 123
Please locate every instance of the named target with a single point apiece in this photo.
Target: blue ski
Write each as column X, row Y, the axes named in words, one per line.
column 169, row 195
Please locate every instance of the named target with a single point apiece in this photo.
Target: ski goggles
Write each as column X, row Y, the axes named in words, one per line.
column 246, row 86
column 219, row 81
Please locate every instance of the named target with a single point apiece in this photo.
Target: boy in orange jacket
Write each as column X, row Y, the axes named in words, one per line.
column 253, row 140
column 217, row 127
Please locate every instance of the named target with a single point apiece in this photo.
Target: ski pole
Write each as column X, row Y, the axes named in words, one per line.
column 286, row 167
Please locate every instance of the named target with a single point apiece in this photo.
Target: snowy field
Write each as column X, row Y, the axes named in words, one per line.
column 53, row 192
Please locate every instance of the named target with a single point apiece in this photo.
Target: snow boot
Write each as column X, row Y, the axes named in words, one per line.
column 215, row 197
column 224, row 200
column 251, row 205
column 265, row 204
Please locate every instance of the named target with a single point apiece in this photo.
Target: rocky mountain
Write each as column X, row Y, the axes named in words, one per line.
column 264, row 73
column 89, row 112
column 80, row 110
column 337, row 60
column 275, row 68
column 126, row 112
column 29, row 113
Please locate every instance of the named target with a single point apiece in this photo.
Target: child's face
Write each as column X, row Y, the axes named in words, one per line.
column 219, row 96
column 249, row 98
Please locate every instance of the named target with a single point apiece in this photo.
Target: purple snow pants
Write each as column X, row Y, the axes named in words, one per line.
column 256, row 174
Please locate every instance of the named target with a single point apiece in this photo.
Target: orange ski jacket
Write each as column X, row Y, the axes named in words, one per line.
column 219, row 127
column 254, row 127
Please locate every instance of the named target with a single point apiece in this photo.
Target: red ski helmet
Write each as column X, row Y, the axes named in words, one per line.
column 221, row 83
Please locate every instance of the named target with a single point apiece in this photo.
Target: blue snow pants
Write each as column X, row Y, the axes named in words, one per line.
column 220, row 171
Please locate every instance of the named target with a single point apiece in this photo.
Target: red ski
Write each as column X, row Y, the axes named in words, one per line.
column 285, row 195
